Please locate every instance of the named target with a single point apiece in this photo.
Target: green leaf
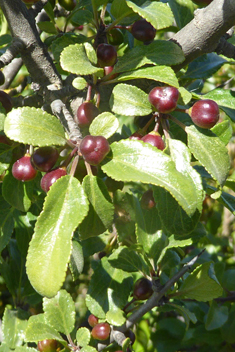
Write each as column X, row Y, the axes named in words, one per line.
column 76, row 260
column 223, row 130
column 119, row 9
column 6, row 223
column 64, row 208
column 83, row 337
column 74, row 59
column 101, row 212
column 140, row 162
column 34, row 126
column 204, row 67
column 17, row 193
column 116, row 317
column 216, row 316
column 82, row 17
column 128, row 260
column 80, row 83
column 201, row 284
column 185, row 96
column 5, row 157
column 157, row 13
column 114, row 289
column 47, row 27
column 160, row 52
column 162, row 73
column 38, row 330
column 60, row 312
column 129, row 100
column 88, row 349
column 65, row 40
column 25, row 349
column 105, row 124
column 223, row 97
column 188, row 316
column 13, row 327
column 181, row 223
column 209, row 151
column 183, row 11
column 90, row 52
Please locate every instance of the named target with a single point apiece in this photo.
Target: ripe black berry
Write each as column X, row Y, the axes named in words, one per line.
column 143, row 30
column 142, row 289
column 44, row 158
column 106, row 55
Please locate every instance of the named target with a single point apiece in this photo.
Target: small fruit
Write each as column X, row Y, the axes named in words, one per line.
column 143, row 30
column 67, row 4
column 51, row 177
column 136, row 136
column 86, row 113
column 142, row 289
column 44, row 158
column 108, row 70
column 204, row 113
column 101, row 331
column 154, row 139
column 106, row 55
column 94, row 149
column 23, row 170
column 6, row 101
column 115, row 36
column 93, row 320
column 147, row 200
column 164, row 99
column 48, row 345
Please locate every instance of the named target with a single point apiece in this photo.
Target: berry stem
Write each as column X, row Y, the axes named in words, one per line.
column 88, row 95
column 88, row 168
column 74, row 165
column 114, row 23
column 165, row 128
column 179, row 123
column 70, row 157
column 144, row 129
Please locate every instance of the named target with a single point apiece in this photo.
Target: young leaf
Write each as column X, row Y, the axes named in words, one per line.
column 83, row 337
column 160, row 52
column 201, row 285
column 74, row 59
column 105, row 124
column 210, row 152
column 34, row 126
column 64, row 208
column 17, row 193
column 157, row 13
column 129, row 101
column 114, row 289
column 60, row 312
column 140, row 162
column 38, row 330
column 79, row 83
column 13, row 327
column 101, row 212
column 161, row 73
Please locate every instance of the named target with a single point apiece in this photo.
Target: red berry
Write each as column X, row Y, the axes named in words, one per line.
column 93, row 320
column 147, row 200
column 44, row 158
column 164, row 99
column 6, row 101
column 51, row 177
column 107, row 71
column 106, row 55
column 48, row 345
column 101, row 331
column 23, row 170
column 86, row 113
column 205, row 113
column 94, row 149
column 143, row 30
column 142, row 289
column 154, row 139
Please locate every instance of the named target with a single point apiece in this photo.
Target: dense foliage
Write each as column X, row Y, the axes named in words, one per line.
column 117, row 181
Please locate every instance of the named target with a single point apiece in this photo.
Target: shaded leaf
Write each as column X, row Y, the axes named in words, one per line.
column 204, row 66
column 76, row 260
